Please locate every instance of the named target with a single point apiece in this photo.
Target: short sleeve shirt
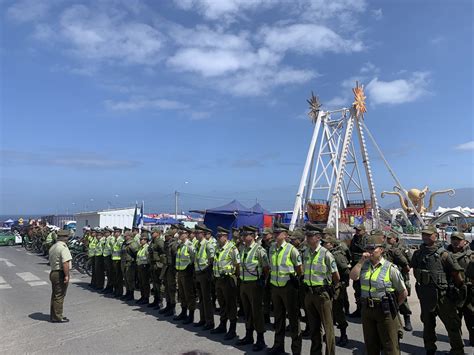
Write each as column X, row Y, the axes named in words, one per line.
column 295, row 255
column 329, row 259
column 395, row 275
column 59, row 254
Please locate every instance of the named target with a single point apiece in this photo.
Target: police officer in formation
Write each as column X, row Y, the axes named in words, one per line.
column 382, row 291
column 203, row 268
column 437, row 275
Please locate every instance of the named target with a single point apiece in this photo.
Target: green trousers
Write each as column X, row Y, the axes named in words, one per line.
column 251, row 296
column 448, row 314
column 203, row 288
column 338, row 314
column 319, row 308
column 285, row 302
column 58, row 293
column 118, row 277
column 226, row 294
column 129, row 276
column 99, row 271
column 94, row 275
column 380, row 330
column 155, row 276
column 169, row 279
column 109, row 271
column 143, row 272
column 187, row 297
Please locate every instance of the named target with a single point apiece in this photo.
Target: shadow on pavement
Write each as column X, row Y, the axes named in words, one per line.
column 441, row 337
column 39, row 316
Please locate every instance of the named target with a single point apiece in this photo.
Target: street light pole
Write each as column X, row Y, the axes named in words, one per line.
column 176, row 194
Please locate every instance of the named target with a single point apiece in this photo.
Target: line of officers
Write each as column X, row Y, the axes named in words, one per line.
column 286, row 272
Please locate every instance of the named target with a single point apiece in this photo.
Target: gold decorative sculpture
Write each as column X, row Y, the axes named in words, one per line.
column 416, row 197
column 359, row 100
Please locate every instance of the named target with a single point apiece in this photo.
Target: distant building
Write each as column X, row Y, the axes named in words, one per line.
column 58, row 220
column 118, row 217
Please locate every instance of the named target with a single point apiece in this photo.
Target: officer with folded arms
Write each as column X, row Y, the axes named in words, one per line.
column 382, row 291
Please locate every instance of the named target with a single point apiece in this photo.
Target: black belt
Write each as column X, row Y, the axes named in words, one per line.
column 57, row 270
column 200, row 272
column 371, row 302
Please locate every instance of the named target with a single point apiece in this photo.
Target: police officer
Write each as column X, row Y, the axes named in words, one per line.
column 463, row 255
column 129, row 265
column 91, row 244
column 143, row 269
column 99, row 260
column 435, row 269
column 254, row 272
column 320, row 274
column 340, row 290
column 357, row 249
column 226, row 269
column 267, row 240
column 156, row 256
column 286, row 269
column 382, row 290
column 205, row 252
column 59, row 260
column 401, row 258
column 107, row 255
column 136, row 234
column 116, row 263
column 168, row 273
column 185, row 269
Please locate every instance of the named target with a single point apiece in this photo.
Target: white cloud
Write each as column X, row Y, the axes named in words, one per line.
column 465, row 146
column 337, row 102
column 398, row 91
column 437, row 40
column 138, row 103
column 98, row 36
column 222, row 9
column 308, row 39
column 377, row 14
column 28, row 10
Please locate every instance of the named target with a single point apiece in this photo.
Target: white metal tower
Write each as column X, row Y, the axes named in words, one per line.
column 332, row 168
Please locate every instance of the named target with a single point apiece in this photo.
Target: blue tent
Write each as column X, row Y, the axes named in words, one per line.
column 234, row 214
column 259, row 209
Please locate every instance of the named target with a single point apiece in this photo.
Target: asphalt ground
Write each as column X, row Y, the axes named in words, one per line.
column 103, row 325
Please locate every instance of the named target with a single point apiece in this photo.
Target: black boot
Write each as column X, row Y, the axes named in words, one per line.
column 190, row 318
column 407, row 320
column 139, row 301
column 231, row 334
column 164, row 310
column 306, row 332
column 248, row 339
column 182, row 315
column 157, row 306
column 259, row 344
column 266, row 318
column 201, row 323
column 276, row 350
column 170, row 311
column 130, row 296
column 153, row 304
column 343, row 339
column 356, row 313
column 221, row 329
column 209, row 326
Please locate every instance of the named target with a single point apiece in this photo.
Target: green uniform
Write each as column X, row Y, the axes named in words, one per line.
column 58, row 254
column 254, row 260
column 319, row 265
column 357, row 249
column 107, row 254
column 143, row 268
column 380, row 324
column 184, row 267
column 226, row 282
column 464, row 258
column 156, row 255
column 205, row 253
column 99, row 263
column 168, row 273
column 340, row 292
column 129, row 266
column 117, row 267
column 283, row 263
column 432, row 266
column 92, row 242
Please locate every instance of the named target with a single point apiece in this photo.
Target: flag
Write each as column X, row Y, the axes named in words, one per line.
column 135, row 216
column 140, row 218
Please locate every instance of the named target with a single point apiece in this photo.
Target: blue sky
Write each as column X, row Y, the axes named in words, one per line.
column 107, row 102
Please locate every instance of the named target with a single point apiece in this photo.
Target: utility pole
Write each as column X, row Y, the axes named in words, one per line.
column 176, row 194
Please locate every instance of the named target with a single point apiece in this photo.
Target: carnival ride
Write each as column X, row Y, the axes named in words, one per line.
column 331, row 189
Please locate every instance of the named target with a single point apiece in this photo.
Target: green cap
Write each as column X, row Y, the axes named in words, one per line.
column 249, row 230
column 202, row 228
column 222, row 230
column 267, row 230
column 329, row 238
column 376, row 239
column 62, row 233
column 329, row 231
column 458, row 235
column 312, row 229
column 297, row 234
column 429, row 229
column 280, row 227
column 391, row 235
column 360, row 227
column 156, row 230
column 184, row 230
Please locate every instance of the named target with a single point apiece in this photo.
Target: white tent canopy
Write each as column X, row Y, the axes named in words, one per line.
column 467, row 211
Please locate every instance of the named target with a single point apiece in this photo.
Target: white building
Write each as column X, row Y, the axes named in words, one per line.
column 119, row 217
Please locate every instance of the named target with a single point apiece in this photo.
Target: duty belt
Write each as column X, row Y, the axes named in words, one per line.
column 316, row 290
column 371, row 302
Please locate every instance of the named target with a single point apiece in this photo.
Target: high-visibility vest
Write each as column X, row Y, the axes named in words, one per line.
column 142, row 255
column 117, row 248
column 92, row 246
column 315, row 269
column 183, row 258
column 108, row 245
column 99, row 247
column 223, row 263
column 51, row 237
column 201, row 262
column 281, row 265
column 375, row 283
column 251, row 268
